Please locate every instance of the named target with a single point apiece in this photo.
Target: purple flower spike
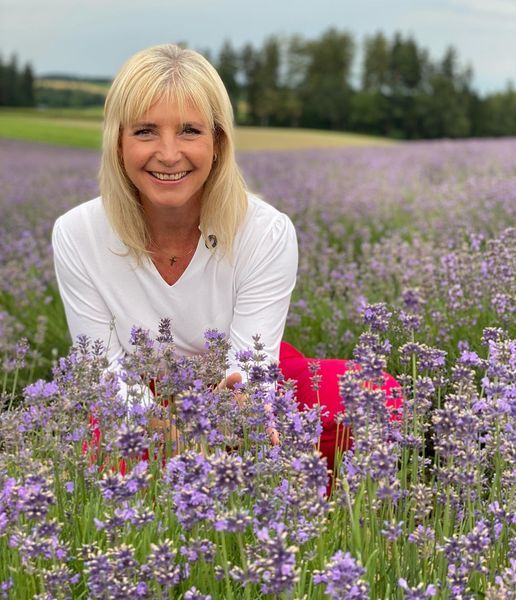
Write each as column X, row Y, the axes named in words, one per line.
column 342, row 578
column 377, row 316
column 132, row 441
column 194, row 594
column 417, row 593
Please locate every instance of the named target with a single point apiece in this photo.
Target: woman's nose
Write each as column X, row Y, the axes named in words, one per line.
column 169, row 150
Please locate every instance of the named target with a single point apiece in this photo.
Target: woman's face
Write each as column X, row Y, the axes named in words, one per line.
column 168, row 156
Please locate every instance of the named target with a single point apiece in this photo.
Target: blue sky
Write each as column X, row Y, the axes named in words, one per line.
column 95, row 37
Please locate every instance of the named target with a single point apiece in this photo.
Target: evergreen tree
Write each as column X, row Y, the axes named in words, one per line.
column 498, row 116
column 228, row 67
column 376, row 65
column 406, row 78
column 445, row 107
column 249, row 65
column 267, row 74
column 16, row 87
column 297, row 82
column 12, row 82
column 369, row 111
column 3, row 83
column 294, row 67
column 27, row 87
column 326, row 90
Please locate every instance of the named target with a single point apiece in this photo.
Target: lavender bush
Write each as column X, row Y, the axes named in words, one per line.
column 407, row 264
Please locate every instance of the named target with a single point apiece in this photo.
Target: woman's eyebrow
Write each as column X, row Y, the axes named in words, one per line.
column 143, row 124
column 197, row 124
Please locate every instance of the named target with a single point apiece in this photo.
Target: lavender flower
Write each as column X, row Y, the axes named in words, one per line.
column 5, row 586
column 272, row 561
column 34, row 497
column 466, row 554
column 417, row 593
column 117, row 488
column 115, row 574
column 342, row 578
column 194, row 594
column 392, row 531
column 377, row 316
column 423, row 537
column 164, row 567
column 505, row 584
column 197, row 549
column 132, row 441
column 430, row 359
column 188, row 478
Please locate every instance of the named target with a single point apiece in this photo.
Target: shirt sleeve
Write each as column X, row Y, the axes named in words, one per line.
column 86, row 312
column 264, row 287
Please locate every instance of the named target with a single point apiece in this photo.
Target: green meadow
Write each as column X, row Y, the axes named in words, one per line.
column 82, row 128
column 64, row 127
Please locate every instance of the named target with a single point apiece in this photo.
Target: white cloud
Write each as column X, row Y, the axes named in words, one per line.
column 498, row 9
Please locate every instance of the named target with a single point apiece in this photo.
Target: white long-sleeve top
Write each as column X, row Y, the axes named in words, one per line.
column 248, row 294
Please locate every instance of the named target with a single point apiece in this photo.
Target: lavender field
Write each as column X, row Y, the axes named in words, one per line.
column 407, row 264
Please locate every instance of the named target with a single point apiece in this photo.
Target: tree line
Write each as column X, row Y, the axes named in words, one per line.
column 399, row 92
column 20, row 87
column 16, row 83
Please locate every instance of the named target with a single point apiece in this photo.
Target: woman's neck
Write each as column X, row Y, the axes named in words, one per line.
column 172, row 227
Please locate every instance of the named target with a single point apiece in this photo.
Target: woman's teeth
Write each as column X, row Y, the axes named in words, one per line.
column 169, row 176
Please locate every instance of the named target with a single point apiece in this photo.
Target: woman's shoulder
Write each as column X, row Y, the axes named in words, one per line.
column 262, row 217
column 258, row 206
column 267, row 242
column 85, row 224
column 264, row 228
column 91, row 211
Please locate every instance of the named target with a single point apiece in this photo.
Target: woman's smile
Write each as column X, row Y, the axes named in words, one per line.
column 168, row 156
column 174, row 177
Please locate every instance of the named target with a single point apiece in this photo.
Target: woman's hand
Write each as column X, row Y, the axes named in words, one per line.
column 229, row 383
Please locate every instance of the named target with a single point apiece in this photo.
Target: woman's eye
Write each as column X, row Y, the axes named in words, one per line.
column 144, row 131
column 189, row 130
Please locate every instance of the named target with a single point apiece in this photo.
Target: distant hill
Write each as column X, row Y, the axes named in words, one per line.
column 65, row 77
column 58, row 90
column 90, row 86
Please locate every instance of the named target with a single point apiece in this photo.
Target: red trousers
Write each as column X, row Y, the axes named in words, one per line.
column 294, row 365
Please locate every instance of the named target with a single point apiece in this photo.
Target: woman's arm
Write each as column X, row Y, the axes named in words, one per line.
column 86, row 311
column 265, row 281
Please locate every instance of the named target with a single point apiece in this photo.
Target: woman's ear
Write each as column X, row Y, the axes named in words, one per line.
column 119, row 148
column 217, row 141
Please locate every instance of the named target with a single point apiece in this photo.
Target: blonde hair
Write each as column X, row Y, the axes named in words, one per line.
column 172, row 73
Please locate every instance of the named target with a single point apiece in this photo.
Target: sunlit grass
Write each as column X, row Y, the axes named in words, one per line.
column 82, row 86
column 270, row 138
column 40, row 126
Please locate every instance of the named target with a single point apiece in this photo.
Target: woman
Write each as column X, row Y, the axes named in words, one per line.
column 175, row 233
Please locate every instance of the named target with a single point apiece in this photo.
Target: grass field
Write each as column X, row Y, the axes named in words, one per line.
column 82, row 128
column 66, row 129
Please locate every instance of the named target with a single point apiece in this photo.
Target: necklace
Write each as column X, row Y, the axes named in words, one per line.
column 173, row 259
